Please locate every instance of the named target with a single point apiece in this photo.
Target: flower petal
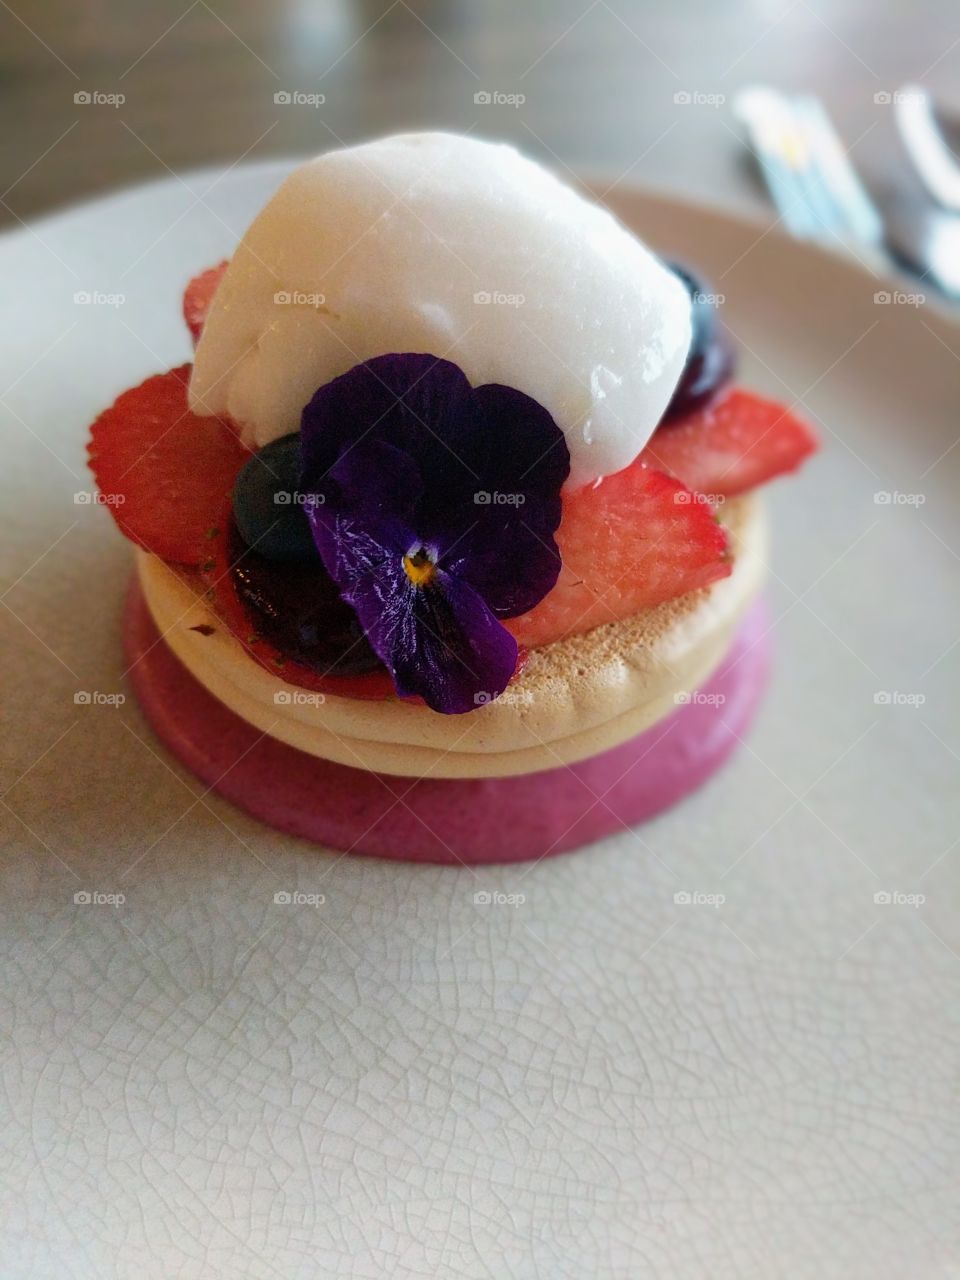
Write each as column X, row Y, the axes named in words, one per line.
column 361, row 555
column 378, row 479
column 439, row 642
column 420, row 404
column 530, row 449
column 458, row 656
column 508, row 552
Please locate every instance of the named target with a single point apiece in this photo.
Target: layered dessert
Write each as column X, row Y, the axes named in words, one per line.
column 459, row 489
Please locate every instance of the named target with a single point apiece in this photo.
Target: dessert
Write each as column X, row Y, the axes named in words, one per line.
column 455, row 509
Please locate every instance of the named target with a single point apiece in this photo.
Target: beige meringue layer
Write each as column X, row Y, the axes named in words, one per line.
column 575, row 698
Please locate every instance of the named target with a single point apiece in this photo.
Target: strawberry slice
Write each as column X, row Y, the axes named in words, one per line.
column 197, row 298
column 732, row 444
column 628, row 543
column 162, row 470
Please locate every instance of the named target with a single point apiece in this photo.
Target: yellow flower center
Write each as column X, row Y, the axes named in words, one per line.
column 419, row 568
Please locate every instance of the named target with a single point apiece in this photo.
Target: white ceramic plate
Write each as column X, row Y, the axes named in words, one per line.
column 597, row 1081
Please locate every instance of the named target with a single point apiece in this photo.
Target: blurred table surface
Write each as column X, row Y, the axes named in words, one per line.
column 589, row 84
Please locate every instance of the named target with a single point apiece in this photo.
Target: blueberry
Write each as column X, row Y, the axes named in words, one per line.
column 710, row 358
column 266, row 503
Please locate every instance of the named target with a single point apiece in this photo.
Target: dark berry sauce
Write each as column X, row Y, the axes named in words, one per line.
column 296, row 606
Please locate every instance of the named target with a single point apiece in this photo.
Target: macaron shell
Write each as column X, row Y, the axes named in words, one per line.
column 453, row 821
column 575, row 698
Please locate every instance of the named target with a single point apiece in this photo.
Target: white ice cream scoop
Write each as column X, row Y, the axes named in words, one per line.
column 462, row 249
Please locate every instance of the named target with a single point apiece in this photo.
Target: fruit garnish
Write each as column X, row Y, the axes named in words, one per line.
column 267, row 503
column 197, row 298
column 734, row 443
column 289, row 617
column 710, row 360
column 628, row 543
column 163, row 470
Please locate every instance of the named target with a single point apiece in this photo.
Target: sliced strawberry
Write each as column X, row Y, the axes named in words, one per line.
column 197, row 298
column 162, row 470
column 630, row 542
column 734, row 443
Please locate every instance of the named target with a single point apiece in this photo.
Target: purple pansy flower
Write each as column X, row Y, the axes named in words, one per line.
column 435, row 508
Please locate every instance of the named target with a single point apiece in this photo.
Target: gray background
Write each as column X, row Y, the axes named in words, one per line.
column 599, row 78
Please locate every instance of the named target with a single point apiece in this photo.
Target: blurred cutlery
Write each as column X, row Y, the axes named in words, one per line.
column 811, row 179
column 819, row 195
column 927, row 148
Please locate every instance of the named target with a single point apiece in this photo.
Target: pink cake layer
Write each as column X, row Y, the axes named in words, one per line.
column 472, row 821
